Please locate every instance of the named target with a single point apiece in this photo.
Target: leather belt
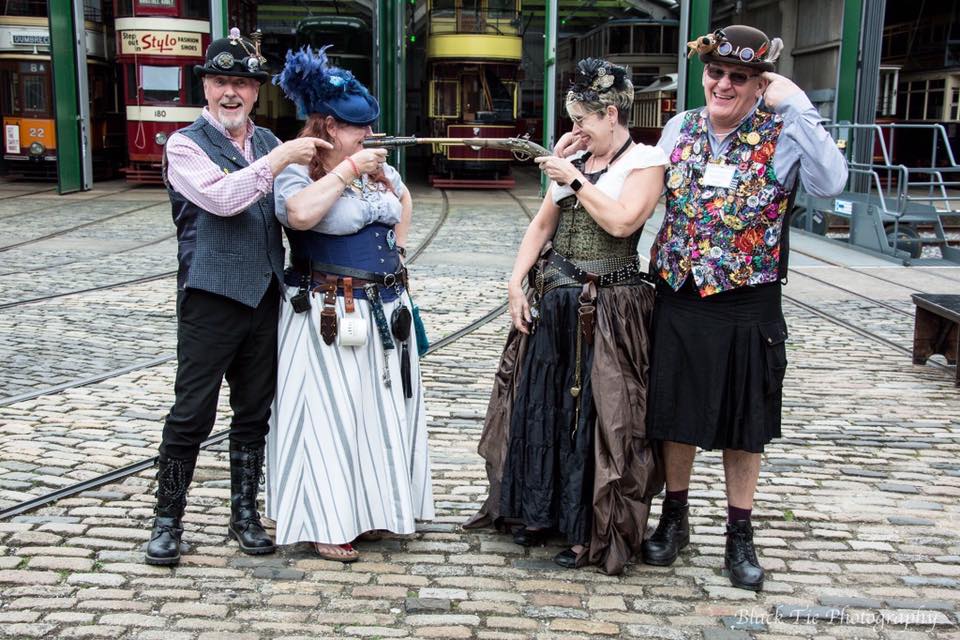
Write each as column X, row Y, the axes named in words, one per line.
column 570, row 269
column 387, row 280
column 321, row 270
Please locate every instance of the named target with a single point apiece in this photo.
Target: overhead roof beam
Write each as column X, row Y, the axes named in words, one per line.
column 656, row 11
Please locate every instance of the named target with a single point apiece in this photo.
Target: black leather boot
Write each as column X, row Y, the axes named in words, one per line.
column 173, row 479
column 740, row 559
column 246, row 472
column 672, row 534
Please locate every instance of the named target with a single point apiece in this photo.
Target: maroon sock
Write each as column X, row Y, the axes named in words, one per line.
column 735, row 514
column 678, row 496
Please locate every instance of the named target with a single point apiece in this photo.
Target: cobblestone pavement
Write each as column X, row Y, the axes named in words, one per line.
column 857, row 510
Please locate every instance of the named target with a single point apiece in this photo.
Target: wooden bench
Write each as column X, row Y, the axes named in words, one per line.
column 936, row 328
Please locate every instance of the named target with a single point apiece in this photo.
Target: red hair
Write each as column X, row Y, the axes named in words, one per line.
column 316, row 127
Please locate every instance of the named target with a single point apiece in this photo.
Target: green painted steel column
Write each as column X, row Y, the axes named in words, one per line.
column 390, row 55
column 549, row 81
column 63, row 36
column 699, row 23
column 219, row 15
column 849, row 61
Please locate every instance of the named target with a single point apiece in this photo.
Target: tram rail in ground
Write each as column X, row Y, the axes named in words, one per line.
column 82, row 225
column 116, row 475
column 142, row 465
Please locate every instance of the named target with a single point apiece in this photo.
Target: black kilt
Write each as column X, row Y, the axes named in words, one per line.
column 717, row 367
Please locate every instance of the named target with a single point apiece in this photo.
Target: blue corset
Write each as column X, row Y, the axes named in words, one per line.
column 373, row 248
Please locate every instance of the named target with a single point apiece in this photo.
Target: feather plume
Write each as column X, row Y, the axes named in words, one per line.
column 308, row 79
column 776, row 46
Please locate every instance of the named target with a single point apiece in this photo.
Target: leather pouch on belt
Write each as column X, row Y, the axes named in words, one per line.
column 328, row 315
column 587, row 310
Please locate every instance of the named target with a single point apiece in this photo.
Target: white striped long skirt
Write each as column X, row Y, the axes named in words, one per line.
column 345, row 453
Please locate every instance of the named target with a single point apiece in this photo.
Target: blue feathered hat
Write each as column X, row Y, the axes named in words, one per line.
column 315, row 86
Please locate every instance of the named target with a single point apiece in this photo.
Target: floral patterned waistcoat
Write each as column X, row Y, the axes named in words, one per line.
column 725, row 237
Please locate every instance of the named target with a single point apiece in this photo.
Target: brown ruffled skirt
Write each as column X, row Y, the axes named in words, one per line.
column 622, row 475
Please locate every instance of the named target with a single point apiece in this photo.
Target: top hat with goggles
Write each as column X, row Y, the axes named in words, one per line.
column 235, row 56
column 739, row 45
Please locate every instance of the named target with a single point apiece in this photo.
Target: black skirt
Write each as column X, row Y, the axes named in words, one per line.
column 548, row 472
column 717, row 367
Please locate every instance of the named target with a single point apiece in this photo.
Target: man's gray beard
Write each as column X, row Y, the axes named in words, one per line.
column 232, row 124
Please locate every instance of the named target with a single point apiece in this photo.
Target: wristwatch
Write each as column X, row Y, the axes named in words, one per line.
column 575, row 184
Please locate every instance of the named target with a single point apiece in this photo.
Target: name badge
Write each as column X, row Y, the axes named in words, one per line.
column 353, row 332
column 719, row 175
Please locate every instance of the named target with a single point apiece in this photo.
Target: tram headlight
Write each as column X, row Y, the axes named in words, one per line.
column 37, row 149
column 160, row 138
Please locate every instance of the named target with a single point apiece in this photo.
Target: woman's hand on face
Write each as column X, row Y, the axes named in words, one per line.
column 370, row 160
column 568, row 144
column 519, row 309
column 560, row 170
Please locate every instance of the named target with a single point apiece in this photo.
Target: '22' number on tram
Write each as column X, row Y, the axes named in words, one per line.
column 36, row 132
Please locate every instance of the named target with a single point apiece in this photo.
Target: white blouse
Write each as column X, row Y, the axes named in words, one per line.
column 640, row 156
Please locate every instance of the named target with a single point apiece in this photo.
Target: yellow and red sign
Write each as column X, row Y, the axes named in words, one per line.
column 161, row 43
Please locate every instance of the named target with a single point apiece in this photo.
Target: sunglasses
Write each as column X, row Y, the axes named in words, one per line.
column 737, row 78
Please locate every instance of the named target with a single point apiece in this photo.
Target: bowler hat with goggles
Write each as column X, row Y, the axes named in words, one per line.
column 235, row 56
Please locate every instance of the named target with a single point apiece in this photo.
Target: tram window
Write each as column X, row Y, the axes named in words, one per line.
column 955, row 104
column 124, row 8
column 160, row 84
column 93, row 10
column 619, row 39
column 36, row 8
column 501, row 8
column 194, row 87
column 8, row 92
column 915, row 107
column 444, row 104
column 196, row 9
column 34, row 93
column 671, row 40
column 934, row 105
column 646, row 39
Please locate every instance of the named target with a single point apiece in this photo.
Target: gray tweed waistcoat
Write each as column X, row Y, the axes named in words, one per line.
column 235, row 256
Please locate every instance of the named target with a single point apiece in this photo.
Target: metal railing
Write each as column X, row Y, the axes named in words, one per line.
column 941, row 174
column 501, row 22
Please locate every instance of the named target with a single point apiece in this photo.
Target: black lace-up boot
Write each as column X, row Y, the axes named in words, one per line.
column 740, row 559
column 672, row 534
column 173, row 479
column 246, row 473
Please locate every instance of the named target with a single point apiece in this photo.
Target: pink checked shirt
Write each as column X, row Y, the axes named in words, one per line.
column 200, row 180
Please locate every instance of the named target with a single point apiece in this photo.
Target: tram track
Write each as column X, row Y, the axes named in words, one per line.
column 24, row 195
column 83, row 225
column 866, row 333
column 104, row 287
column 872, row 275
column 59, row 203
column 124, row 472
column 66, row 263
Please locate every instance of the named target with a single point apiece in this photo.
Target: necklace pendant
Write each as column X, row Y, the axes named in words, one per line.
column 575, row 391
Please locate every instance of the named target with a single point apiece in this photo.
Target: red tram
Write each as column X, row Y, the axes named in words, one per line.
column 158, row 43
column 26, row 92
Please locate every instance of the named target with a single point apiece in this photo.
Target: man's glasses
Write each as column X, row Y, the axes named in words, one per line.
column 737, row 78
